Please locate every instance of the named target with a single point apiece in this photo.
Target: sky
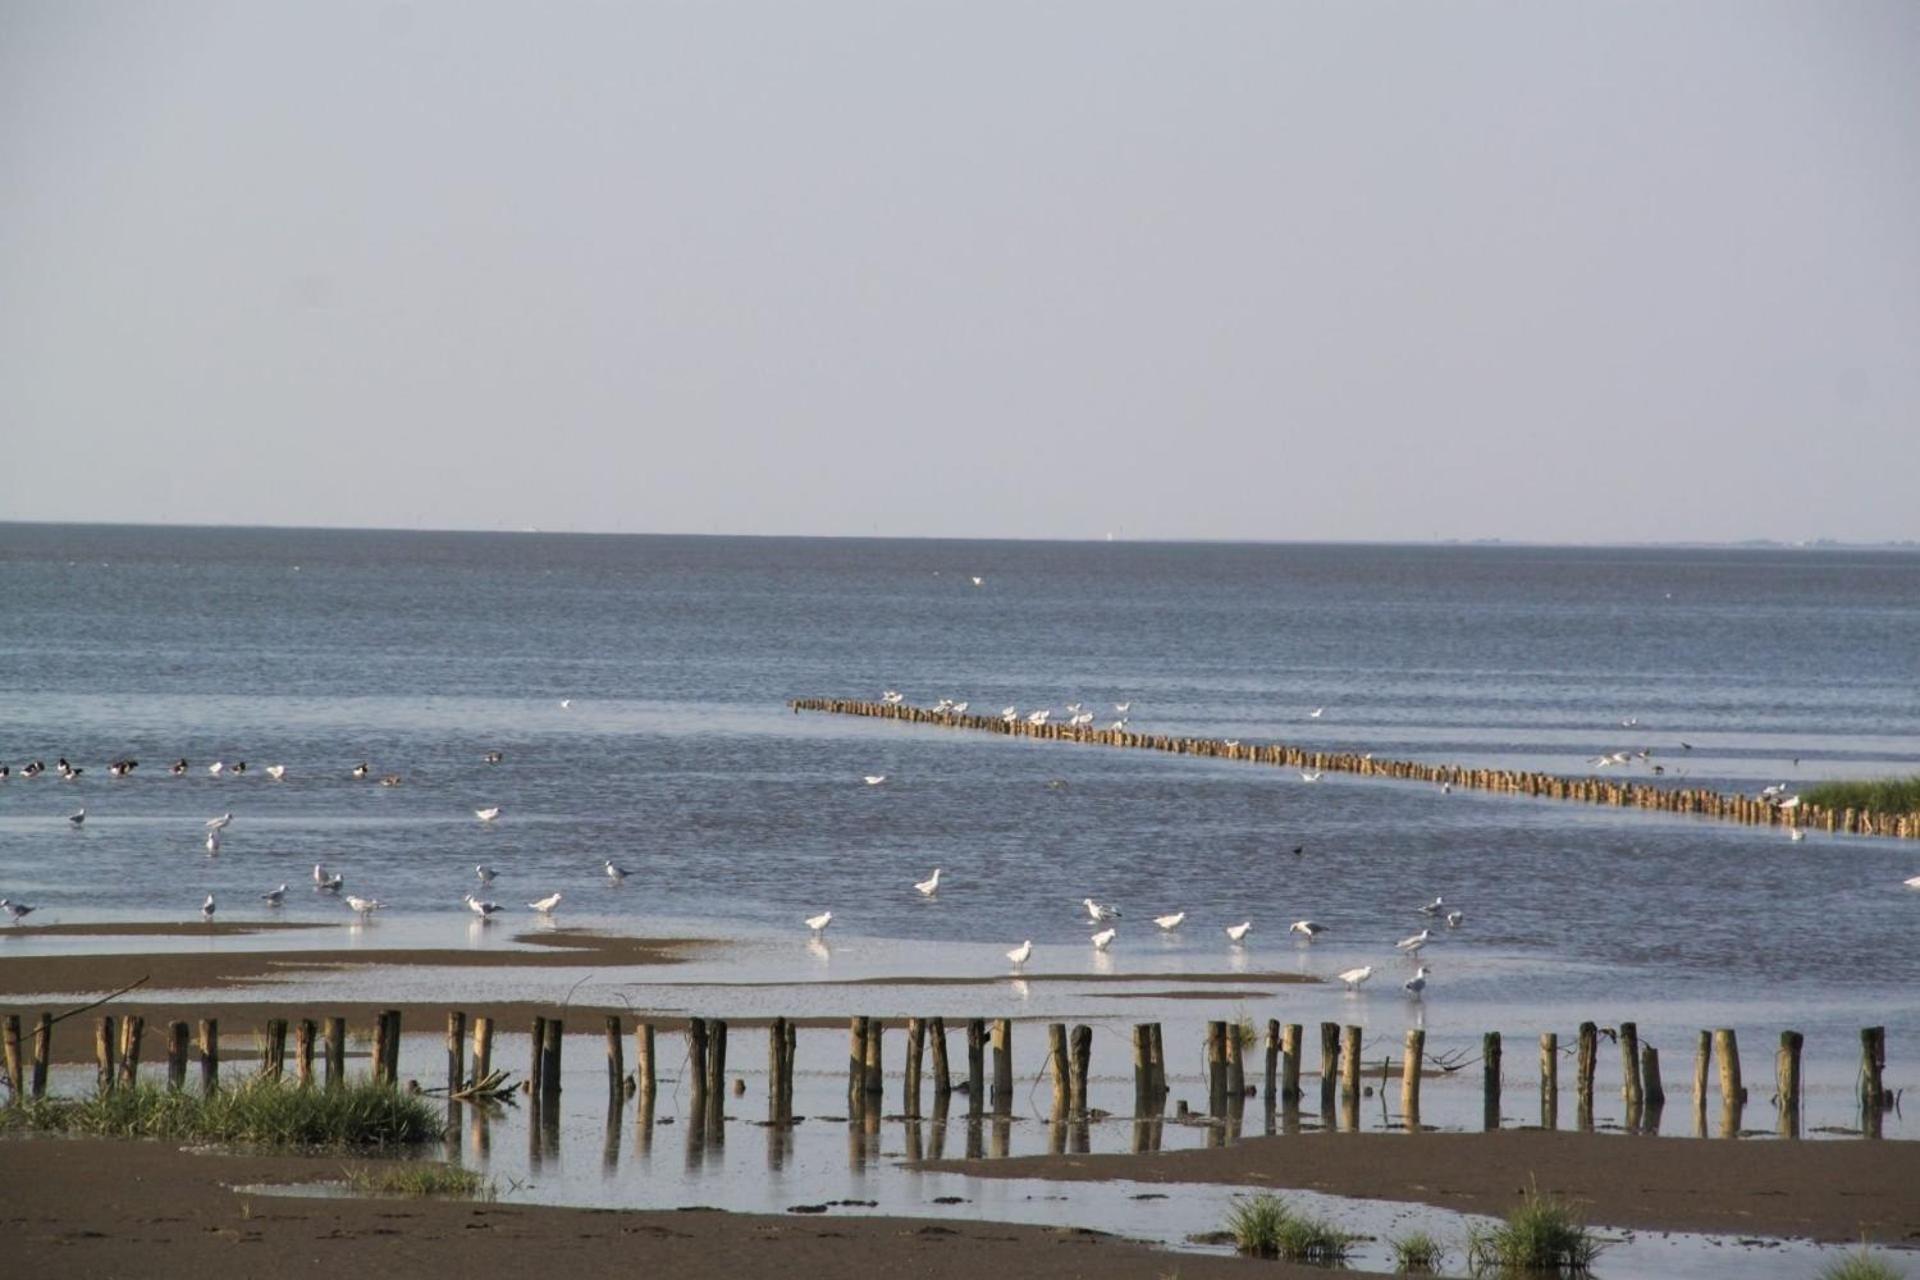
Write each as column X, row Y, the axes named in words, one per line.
column 1551, row 272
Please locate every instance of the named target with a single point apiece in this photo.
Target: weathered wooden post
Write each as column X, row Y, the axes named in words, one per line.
column 874, row 1078
column 789, row 1056
column 275, row 1064
column 1142, row 1068
column 1410, row 1077
column 104, row 1030
column 1873, row 1066
column 1630, row 1089
column 616, row 1057
column 1787, row 1072
column 536, row 1057
column 856, row 1065
column 1490, row 1081
column 209, row 1054
column 1656, row 1092
column 1329, row 1065
column 380, row 1047
column 776, row 1067
column 1549, row 1080
column 1159, row 1065
column 942, row 1073
column 644, row 1078
column 456, row 1050
column 1057, row 1066
column 482, row 1048
column 10, row 1047
column 916, row 1052
column 1290, row 1064
column 303, row 1035
column 42, row 1054
column 1082, row 1063
column 133, row 1028
column 1236, row 1066
column 1003, row 1066
column 1588, row 1055
column 550, row 1060
column 1350, row 1078
column 393, row 1046
column 976, row 1066
column 1702, row 1069
column 1733, row 1095
column 1272, row 1090
column 1216, row 1068
column 334, row 1032
column 178, row 1038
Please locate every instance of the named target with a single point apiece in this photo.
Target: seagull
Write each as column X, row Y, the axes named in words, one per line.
column 1172, row 922
column 485, row 873
column 1796, row 834
column 566, row 704
column 273, row 897
column 241, row 767
column 276, row 771
column 488, row 814
column 1417, row 983
column 77, row 818
column 546, row 905
column 364, row 906
column 1103, row 939
column 215, row 768
column 1097, row 912
column 1354, row 977
column 978, row 580
column 1631, row 722
column 391, row 780
column 1316, row 713
column 1020, row 954
column 220, row 823
column 1433, row 908
column 1414, row 942
column 1123, row 707
column 484, row 910
column 930, row 885
column 1238, row 932
column 18, row 911
column 213, row 842
column 1008, row 713
column 873, row 779
column 1912, row 882
column 362, row 769
column 329, row 883
column 1312, row 928
column 820, row 922
column 493, row 757
column 1454, row 919
column 179, row 768
column 1310, row 775
column 207, row 909
column 615, row 873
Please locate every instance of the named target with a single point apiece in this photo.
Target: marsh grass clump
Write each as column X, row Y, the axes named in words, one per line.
column 1882, row 795
column 1540, row 1234
column 1861, row 1265
column 256, row 1112
column 1262, row 1226
column 1417, row 1252
column 443, row 1181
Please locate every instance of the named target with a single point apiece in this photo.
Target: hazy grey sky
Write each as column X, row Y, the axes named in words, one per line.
column 1233, row 270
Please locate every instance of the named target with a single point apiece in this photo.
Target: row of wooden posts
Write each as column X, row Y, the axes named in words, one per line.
column 1687, row 800
column 117, row 1048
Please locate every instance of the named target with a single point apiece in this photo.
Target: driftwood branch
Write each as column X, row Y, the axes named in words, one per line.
column 97, row 1003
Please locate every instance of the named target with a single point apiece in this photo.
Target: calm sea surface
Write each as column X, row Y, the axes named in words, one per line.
column 418, row 652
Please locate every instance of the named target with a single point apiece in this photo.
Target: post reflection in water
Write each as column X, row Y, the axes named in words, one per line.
column 696, row 1122
column 975, row 1147
column 452, row 1139
column 480, row 1138
column 549, row 1127
column 914, row 1149
column 779, row 1144
column 610, row 1149
column 534, row 1117
column 1002, row 1133
column 643, row 1127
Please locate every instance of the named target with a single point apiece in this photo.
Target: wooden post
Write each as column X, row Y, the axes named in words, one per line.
column 789, row 1054
column 334, row 1031
column 550, row 1060
column 1350, row 1062
column 303, row 1034
column 1549, row 1080
column 209, row 1054
column 976, row 1066
column 916, row 1051
column 1142, row 1068
column 177, row 1039
column 1329, row 1063
column 856, row 1065
column 1216, row 1068
column 1290, row 1063
column 482, row 1048
column 1272, row 1082
column 1630, row 1065
column 1082, row 1064
column 275, row 1065
column 1236, row 1065
column 1057, row 1065
column 1787, row 1073
column 1873, row 1065
column 10, row 1048
column 133, row 1029
column 1159, row 1065
column 380, row 1046
column 717, row 1068
column 1003, row 1066
column 1702, row 1067
column 1490, row 1081
column 1656, row 1093
column 776, row 1065
column 1733, row 1094
column 643, row 1063
column 1410, row 1077
column 942, row 1077
column 874, row 1077
column 537, row 1057
column 616, row 1057
column 456, row 1050
column 104, row 1030
column 42, row 1054
column 393, row 1046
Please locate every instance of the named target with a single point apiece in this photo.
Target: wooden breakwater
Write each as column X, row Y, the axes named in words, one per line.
column 1343, row 1075
column 1697, row 801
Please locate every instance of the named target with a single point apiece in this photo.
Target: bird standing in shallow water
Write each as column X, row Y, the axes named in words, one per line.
column 1417, row 984
column 1355, row 977
column 1311, row 928
column 1103, row 939
column 1021, row 954
column 820, row 922
column 1239, row 932
column 207, row 909
column 1169, row 923
column 931, row 885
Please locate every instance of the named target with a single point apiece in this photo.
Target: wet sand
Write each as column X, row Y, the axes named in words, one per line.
column 82, row 1209
column 155, row 929
column 1834, row 1191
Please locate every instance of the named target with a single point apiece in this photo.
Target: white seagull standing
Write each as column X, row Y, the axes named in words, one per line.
column 216, row 768
column 77, row 818
column 364, row 906
column 1912, row 882
column 485, row 872
column 930, row 885
column 1310, row 775
column 1355, row 977
column 484, row 910
column 818, row 924
column 1103, row 939
column 1433, row 908
column 220, row 823
column 1416, row 941
column 546, row 905
column 1021, row 954
column 566, row 704
column 488, row 814
column 1417, row 983
column 874, row 779
column 16, row 911
column 213, row 842
column 1312, row 928
column 615, row 873
column 1455, row 919
column 1316, row 713
column 1238, row 932
column 276, row 771
column 274, row 897
column 1099, row 913
column 207, row 909
column 322, row 880
column 1171, row 922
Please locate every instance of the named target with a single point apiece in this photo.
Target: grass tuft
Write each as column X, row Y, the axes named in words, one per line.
column 1540, row 1234
column 1262, row 1226
column 256, row 1112
column 1881, row 795
column 1861, row 1265
column 445, row 1181
column 1417, row 1252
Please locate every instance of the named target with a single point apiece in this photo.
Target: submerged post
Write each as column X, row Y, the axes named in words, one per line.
column 942, row 1074
column 537, row 1057
column 616, row 1057
column 1272, row 1090
column 1787, row 1072
column 1082, row 1046
column 1057, row 1065
column 1490, row 1081
column 482, row 1048
column 550, row 1060
column 1290, row 1064
column 456, row 1050
column 1873, row 1065
column 1656, row 1092
column 1329, row 1063
column 1216, row 1068
column 1142, row 1068
column 1630, row 1091
column 1002, row 1066
column 916, row 1052
column 856, row 1064
column 976, row 1066
column 1549, row 1080
column 645, row 1077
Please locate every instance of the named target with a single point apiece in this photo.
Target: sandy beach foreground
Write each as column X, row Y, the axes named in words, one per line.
column 86, row 1209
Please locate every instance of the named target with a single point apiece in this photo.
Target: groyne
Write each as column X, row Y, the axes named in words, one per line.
column 1697, row 801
